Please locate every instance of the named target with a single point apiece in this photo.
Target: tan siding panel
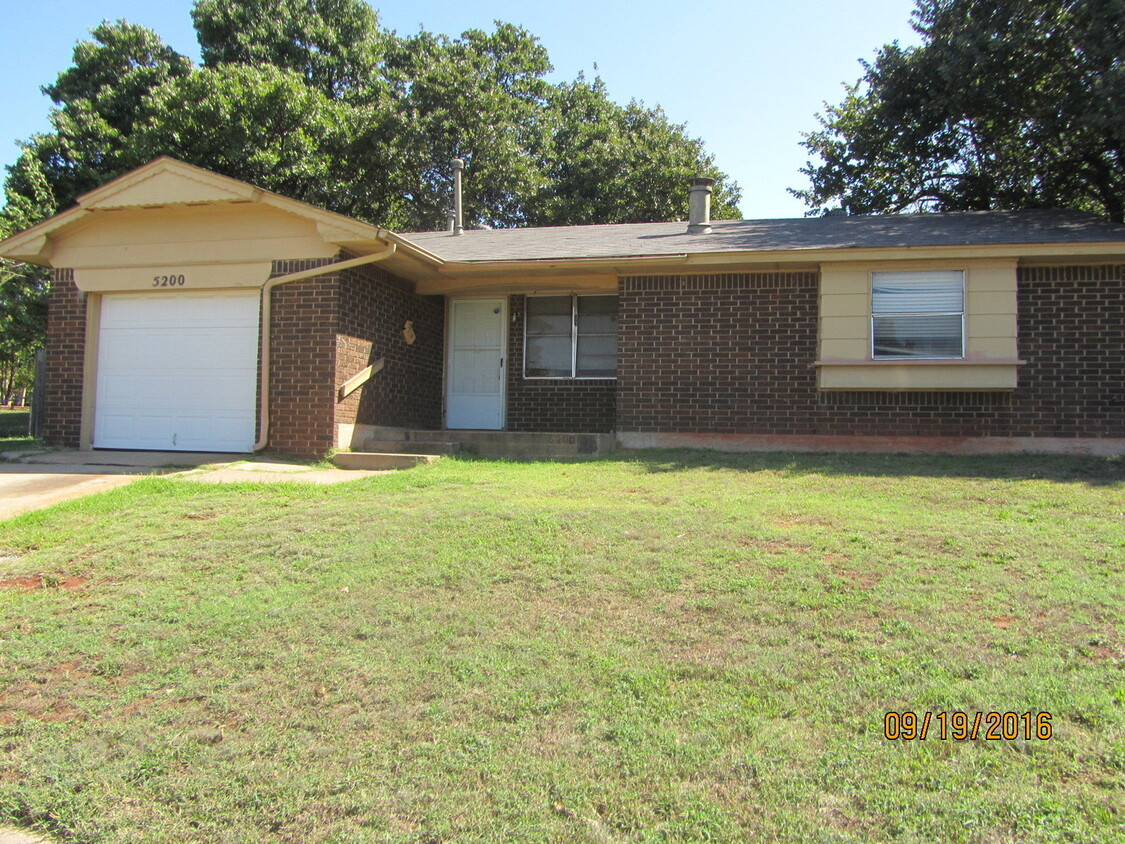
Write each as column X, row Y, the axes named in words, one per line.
column 906, row 377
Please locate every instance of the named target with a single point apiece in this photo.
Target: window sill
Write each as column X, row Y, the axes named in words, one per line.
column 944, row 374
column 919, row 362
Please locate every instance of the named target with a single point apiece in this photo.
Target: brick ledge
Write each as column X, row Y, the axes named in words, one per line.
column 1088, row 446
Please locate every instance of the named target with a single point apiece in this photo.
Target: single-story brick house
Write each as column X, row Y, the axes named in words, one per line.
column 976, row 331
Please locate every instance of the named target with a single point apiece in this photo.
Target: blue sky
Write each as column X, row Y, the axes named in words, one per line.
column 747, row 77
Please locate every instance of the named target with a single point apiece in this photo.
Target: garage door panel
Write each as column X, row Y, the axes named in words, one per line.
column 156, row 391
column 177, row 372
column 118, row 345
column 116, row 388
column 153, row 428
column 115, row 426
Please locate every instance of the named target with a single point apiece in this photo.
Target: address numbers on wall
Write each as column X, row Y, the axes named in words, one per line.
column 168, row 280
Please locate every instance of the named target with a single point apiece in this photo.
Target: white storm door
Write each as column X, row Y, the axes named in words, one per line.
column 177, row 371
column 474, row 396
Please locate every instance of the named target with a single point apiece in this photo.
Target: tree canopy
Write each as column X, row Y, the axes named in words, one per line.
column 312, row 99
column 1005, row 104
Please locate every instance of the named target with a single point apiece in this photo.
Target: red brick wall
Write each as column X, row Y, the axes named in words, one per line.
column 1072, row 333
column 302, row 361
column 374, row 308
column 66, row 350
column 733, row 354
column 563, row 405
column 717, row 354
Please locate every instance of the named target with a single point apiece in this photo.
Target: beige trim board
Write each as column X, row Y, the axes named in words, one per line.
column 90, row 370
column 195, row 277
column 521, row 284
column 921, row 362
column 922, row 257
column 1091, row 447
column 359, row 379
column 956, row 375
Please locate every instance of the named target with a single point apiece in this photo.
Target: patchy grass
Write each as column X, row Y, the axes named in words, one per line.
column 663, row 646
column 13, row 430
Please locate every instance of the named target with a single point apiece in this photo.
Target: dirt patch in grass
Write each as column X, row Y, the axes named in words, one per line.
column 791, row 521
column 776, row 546
column 44, row 581
column 855, row 579
column 34, row 701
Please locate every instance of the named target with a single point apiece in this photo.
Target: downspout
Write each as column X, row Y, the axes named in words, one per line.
column 267, row 288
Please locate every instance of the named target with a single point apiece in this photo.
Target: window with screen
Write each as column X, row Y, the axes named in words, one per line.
column 918, row 315
column 570, row 337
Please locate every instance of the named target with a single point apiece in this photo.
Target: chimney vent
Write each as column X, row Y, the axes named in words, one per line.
column 458, row 218
column 699, row 206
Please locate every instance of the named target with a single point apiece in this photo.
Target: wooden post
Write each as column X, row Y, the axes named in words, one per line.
column 38, row 390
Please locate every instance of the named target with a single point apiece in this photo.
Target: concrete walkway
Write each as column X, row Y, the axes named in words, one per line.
column 277, row 471
column 36, row 480
column 8, row 835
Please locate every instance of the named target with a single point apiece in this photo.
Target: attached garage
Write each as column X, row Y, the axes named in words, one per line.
column 177, row 371
column 161, row 279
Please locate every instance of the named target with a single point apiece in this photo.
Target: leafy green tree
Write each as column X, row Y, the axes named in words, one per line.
column 1005, row 104
column 23, row 324
column 23, row 288
column 336, row 46
column 261, row 124
column 609, row 163
column 480, row 97
column 312, row 99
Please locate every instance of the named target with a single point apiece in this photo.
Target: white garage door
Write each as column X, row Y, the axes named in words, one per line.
column 177, row 371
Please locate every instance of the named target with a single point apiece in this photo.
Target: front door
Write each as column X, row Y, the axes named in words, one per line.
column 474, row 395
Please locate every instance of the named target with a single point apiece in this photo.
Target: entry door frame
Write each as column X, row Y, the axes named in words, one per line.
column 502, row 302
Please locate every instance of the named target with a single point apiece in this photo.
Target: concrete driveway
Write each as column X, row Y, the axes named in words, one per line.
column 39, row 480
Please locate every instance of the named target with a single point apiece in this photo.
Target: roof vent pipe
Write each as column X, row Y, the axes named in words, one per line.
column 458, row 218
column 450, row 219
column 699, row 206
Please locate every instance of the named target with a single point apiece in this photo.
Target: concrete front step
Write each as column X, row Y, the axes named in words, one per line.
column 413, row 446
column 513, row 444
column 380, row 460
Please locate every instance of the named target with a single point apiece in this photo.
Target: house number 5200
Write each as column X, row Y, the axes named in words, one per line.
column 168, row 281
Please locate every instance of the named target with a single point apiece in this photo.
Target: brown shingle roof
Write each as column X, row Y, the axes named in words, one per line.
column 834, row 232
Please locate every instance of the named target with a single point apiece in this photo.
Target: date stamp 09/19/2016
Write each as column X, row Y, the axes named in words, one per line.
column 962, row 726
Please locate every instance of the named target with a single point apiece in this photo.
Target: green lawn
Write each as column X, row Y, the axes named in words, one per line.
column 665, row 646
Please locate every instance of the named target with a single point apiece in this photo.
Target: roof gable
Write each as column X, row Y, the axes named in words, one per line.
column 167, row 181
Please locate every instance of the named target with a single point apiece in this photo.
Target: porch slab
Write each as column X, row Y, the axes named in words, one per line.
column 525, row 445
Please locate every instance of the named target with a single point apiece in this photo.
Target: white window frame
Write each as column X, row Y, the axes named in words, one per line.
column 574, row 297
column 961, row 314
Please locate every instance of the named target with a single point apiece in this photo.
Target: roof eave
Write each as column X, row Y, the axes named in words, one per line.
column 803, row 256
